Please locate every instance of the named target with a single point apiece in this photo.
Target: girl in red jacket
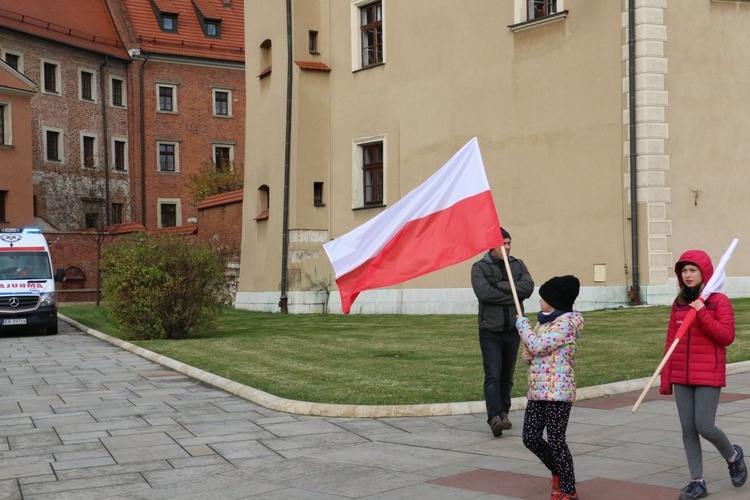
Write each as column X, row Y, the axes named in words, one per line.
column 696, row 371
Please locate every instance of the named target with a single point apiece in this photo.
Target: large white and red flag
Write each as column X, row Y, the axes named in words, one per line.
column 448, row 219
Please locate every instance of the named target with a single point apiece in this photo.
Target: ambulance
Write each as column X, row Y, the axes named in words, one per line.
column 27, row 284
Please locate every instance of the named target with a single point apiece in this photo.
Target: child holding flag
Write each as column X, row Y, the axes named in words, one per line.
column 696, row 371
column 550, row 349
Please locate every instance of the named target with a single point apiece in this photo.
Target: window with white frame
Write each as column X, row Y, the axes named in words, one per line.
column 87, row 85
column 169, row 156
column 166, row 98
column 222, row 102
column 50, row 71
column 368, row 41
column 89, row 150
column 119, row 154
column 223, row 157
column 369, row 172
column 169, row 211
column 6, row 128
column 531, row 10
column 53, row 144
column 118, row 94
column 14, row 60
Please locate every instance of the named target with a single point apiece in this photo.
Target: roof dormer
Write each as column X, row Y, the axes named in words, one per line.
column 209, row 18
column 166, row 15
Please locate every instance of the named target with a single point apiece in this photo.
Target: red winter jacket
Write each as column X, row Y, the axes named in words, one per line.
column 700, row 357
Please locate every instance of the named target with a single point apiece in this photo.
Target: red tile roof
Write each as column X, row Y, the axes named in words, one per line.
column 315, row 66
column 222, row 199
column 81, row 23
column 186, row 229
column 189, row 40
column 125, row 228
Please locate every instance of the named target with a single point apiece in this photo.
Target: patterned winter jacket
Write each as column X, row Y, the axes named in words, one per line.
column 550, row 375
column 700, row 358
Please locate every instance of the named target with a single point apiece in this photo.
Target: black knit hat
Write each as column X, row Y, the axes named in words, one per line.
column 506, row 234
column 560, row 292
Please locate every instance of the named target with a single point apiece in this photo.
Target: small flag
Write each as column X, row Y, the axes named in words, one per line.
column 449, row 218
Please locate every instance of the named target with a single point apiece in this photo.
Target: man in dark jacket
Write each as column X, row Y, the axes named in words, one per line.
column 498, row 337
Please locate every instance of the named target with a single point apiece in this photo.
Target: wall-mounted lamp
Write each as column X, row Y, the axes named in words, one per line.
column 696, row 194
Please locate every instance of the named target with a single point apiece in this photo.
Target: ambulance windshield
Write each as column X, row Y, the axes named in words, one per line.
column 24, row 266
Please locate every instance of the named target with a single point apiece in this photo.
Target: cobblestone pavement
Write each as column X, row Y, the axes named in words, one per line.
column 81, row 418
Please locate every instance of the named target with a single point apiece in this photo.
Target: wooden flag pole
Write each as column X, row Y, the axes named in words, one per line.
column 656, row 374
column 677, row 337
column 510, row 279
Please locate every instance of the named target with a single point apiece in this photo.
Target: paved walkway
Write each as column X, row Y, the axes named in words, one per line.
column 81, row 418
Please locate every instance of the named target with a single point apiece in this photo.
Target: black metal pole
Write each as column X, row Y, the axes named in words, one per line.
column 283, row 300
column 635, row 290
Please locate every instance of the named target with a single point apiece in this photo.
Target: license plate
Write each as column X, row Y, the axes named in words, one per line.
column 14, row 321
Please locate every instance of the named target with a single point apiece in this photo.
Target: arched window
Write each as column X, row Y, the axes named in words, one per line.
column 75, row 278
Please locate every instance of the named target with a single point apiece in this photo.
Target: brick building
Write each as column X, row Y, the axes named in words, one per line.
column 16, row 188
column 79, row 124
column 186, row 87
column 134, row 97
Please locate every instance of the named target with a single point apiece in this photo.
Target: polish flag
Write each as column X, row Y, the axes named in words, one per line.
column 448, row 219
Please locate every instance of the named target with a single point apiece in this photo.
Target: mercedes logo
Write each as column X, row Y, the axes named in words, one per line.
column 14, row 302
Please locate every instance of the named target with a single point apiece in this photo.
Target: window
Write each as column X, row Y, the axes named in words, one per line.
column 223, row 157
column 371, row 27
column 525, row 11
column 86, row 86
column 372, row 173
column 265, row 58
column 318, row 194
column 88, row 151
column 3, row 201
column 92, row 212
column 169, row 22
column 167, row 98
column 313, row 42
column 119, row 155
column 53, row 145
column 116, row 213
column 14, row 61
column 170, row 212
column 212, row 28
column 168, row 157
column 222, row 102
column 540, row 8
column 264, row 200
column 118, row 91
column 50, row 77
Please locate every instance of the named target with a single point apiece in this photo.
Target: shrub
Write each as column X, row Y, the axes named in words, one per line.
column 162, row 286
column 209, row 181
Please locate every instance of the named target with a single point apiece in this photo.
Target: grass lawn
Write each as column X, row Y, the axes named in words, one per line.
column 398, row 359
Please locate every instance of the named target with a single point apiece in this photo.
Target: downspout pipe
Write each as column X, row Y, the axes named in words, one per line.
column 634, row 295
column 105, row 134
column 283, row 300
column 142, row 106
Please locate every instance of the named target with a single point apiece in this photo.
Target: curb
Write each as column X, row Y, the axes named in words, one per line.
column 356, row 411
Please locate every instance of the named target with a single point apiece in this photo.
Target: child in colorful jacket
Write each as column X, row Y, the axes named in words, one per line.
column 550, row 349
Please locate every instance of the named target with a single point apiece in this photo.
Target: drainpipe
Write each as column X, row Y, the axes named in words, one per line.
column 287, row 153
column 634, row 295
column 143, row 142
column 103, row 95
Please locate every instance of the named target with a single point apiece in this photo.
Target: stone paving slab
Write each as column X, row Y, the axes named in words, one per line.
column 82, row 418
